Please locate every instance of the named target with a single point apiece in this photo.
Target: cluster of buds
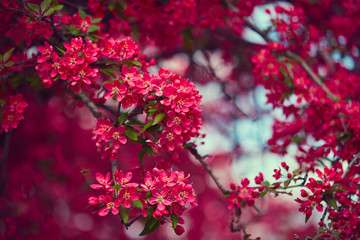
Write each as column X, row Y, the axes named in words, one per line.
column 161, row 196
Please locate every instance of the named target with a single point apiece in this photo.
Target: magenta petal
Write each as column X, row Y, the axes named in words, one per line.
column 116, row 144
column 152, row 201
column 114, row 211
column 96, row 186
column 103, row 211
column 161, row 206
column 134, row 197
column 167, row 201
column 127, row 203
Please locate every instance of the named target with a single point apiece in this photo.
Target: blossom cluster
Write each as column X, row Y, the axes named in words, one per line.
column 320, row 190
column 12, row 112
column 162, row 195
column 74, row 67
column 168, row 100
column 242, row 196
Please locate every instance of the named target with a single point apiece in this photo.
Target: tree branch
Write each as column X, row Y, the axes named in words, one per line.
column 210, row 70
column 195, row 153
column 90, row 104
column 353, row 161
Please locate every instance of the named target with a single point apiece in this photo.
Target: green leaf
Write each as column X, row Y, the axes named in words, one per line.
column 45, row 5
column 1, row 58
column 113, row 69
column 61, row 50
column 134, row 62
column 283, row 71
column 52, row 10
column 153, row 109
column 93, row 28
column 123, row 4
column 58, row 7
column 73, row 30
column 134, row 123
column 122, row 118
column 188, row 39
column 331, row 201
column 263, row 193
column 256, row 208
column 153, row 129
column 141, row 156
column 131, row 135
column 49, row 12
column 148, row 150
column 82, row 13
column 149, row 124
column 158, row 118
column 9, row 64
column 34, row 7
column 124, row 213
column 286, row 183
column 174, row 220
column 110, row 74
column 137, row 204
column 7, row 55
column 95, row 20
column 111, row 5
column 298, row 171
column 336, row 236
column 148, row 104
column 2, row 102
column 286, row 95
column 151, row 225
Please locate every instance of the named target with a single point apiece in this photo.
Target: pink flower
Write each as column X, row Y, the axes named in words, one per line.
column 104, row 181
column 10, row 119
column 115, row 134
column 124, row 179
column 149, row 183
column 126, row 195
column 186, row 194
column 114, row 90
column 110, row 204
column 45, row 52
column 16, row 104
column 130, row 75
column 75, row 45
column 160, row 198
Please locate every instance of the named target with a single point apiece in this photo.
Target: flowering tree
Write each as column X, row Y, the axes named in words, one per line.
column 109, row 126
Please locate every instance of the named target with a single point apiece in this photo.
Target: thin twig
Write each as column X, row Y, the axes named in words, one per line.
column 235, row 224
column 325, row 212
column 353, row 161
column 127, row 225
column 195, row 153
column 210, row 70
column 114, row 168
